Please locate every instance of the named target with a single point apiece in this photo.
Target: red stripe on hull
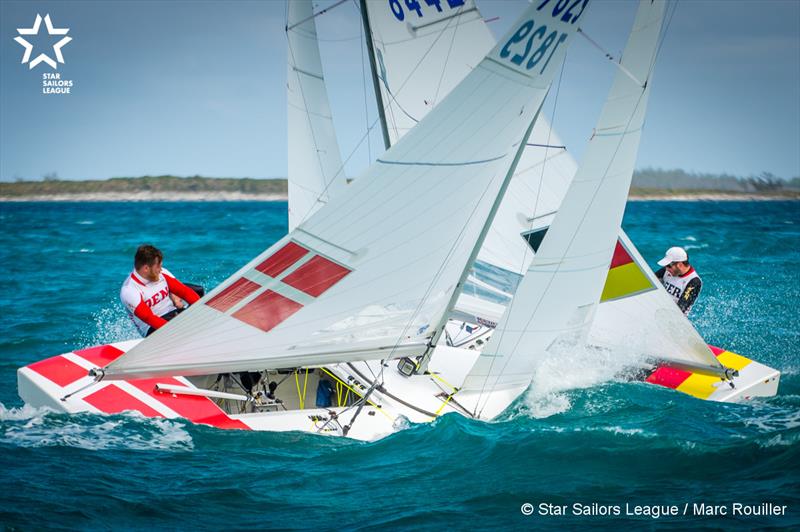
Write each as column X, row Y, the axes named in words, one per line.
column 195, row 408
column 716, row 350
column 316, row 276
column 231, row 295
column 59, row 370
column 282, row 259
column 113, row 400
column 267, row 310
column 621, row 256
column 100, row 356
column 669, row 377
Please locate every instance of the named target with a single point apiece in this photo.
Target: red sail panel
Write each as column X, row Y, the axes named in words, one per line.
column 282, row 259
column 231, row 295
column 316, row 276
column 621, row 256
column 267, row 310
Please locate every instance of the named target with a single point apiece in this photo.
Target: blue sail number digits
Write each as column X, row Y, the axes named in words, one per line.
column 414, row 5
column 539, row 40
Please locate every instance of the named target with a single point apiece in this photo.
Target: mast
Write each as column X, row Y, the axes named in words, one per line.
column 375, row 81
column 423, row 364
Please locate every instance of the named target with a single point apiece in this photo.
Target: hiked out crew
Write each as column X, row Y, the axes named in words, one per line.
column 151, row 294
column 679, row 278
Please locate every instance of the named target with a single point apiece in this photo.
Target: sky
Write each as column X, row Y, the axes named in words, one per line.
column 198, row 87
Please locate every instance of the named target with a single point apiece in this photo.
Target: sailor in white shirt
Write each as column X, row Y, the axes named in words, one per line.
column 679, row 278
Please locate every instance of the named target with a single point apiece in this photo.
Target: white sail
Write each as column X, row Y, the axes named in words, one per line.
column 416, row 68
column 373, row 270
column 650, row 323
column 315, row 172
column 554, row 305
column 419, row 60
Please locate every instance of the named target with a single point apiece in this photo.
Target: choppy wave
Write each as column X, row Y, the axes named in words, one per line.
column 41, row 427
column 582, row 433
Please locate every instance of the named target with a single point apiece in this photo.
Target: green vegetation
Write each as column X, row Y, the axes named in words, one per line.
column 163, row 183
column 653, row 183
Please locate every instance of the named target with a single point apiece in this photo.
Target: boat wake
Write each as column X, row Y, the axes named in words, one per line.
column 41, row 427
column 576, row 368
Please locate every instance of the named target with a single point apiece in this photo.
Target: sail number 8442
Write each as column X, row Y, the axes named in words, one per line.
column 414, row 5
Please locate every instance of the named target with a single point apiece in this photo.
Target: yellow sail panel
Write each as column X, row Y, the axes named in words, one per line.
column 625, row 277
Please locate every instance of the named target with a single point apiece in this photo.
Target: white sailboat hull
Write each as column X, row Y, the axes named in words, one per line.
column 401, row 399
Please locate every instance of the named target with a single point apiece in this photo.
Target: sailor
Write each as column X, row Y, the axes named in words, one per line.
column 679, row 278
column 151, row 294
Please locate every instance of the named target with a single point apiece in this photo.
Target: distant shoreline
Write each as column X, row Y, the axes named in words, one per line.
column 205, row 189
column 201, row 197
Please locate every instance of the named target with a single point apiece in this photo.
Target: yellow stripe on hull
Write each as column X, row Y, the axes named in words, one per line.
column 702, row 386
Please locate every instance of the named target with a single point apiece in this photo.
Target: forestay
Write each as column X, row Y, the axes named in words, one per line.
column 554, row 305
column 315, row 165
column 369, row 272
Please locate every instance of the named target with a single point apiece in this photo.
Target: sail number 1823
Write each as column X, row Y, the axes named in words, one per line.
column 530, row 44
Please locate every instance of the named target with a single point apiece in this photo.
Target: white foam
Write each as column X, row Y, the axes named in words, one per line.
column 571, row 369
column 111, row 324
column 32, row 427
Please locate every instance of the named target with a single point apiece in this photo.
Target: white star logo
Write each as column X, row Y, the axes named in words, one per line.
column 35, row 31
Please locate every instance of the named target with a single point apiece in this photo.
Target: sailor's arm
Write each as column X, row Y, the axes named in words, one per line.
column 135, row 304
column 660, row 273
column 689, row 295
column 179, row 289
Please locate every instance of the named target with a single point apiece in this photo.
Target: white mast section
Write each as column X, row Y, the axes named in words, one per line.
column 370, row 273
column 315, row 170
column 554, row 305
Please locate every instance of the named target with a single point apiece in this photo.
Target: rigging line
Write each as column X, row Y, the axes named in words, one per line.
column 364, row 89
column 416, row 66
column 314, row 15
column 616, row 63
column 666, row 29
column 527, row 248
column 447, row 57
column 341, row 168
column 585, row 213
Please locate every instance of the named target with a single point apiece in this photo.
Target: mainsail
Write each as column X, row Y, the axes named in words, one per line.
column 315, row 165
column 370, row 271
column 555, row 303
column 419, row 60
column 417, row 65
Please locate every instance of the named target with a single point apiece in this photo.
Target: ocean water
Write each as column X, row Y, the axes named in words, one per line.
column 578, row 436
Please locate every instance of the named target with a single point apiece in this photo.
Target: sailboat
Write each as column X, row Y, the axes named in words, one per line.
column 356, row 299
column 633, row 315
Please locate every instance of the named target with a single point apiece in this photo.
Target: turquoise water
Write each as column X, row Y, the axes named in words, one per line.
column 595, row 440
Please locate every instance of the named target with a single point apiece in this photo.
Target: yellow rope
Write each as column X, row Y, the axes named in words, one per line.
column 301, row 397
column 349, row 389
column 437, row 377
column 436, row 414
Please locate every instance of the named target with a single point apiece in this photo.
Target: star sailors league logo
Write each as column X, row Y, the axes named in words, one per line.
column 52, row 83
column 42, row 57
